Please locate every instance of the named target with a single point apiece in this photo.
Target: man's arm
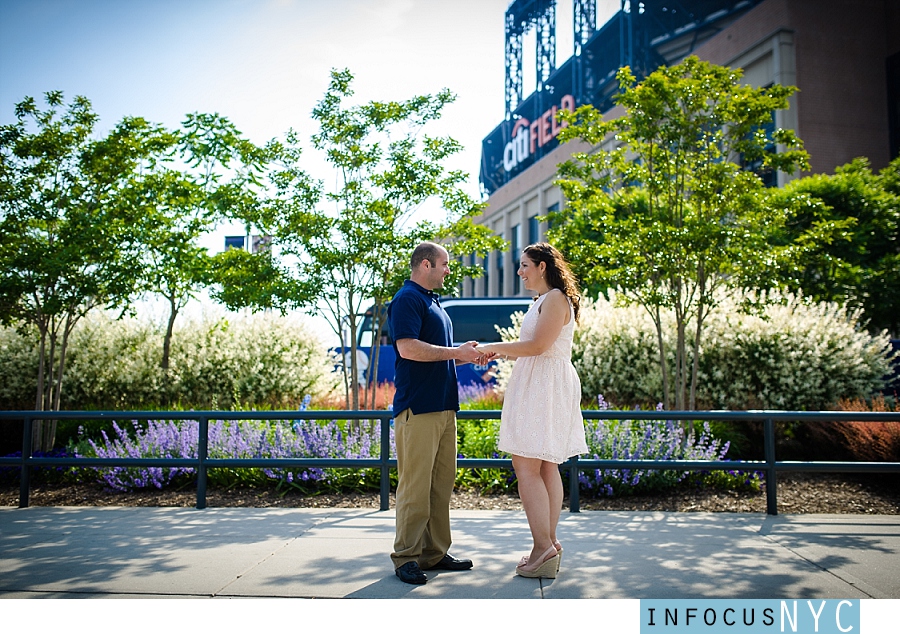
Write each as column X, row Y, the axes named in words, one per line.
column 416, row 350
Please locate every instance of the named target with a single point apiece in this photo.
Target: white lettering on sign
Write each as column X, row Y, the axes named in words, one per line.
column 528, row 136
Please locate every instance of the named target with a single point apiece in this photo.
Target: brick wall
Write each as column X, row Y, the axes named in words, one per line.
column 840, row 47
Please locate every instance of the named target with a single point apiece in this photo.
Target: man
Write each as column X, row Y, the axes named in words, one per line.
column 425, row 405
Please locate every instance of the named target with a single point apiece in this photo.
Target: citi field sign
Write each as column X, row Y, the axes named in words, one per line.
column 529, row 137
column 530, row 133
column 642, row 40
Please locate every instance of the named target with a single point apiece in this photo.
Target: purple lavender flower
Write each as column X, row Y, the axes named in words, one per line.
column 644, row 440
column 235, row 439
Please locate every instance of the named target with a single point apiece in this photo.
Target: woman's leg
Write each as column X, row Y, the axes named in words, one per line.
column 536, row 500
column 553, row 484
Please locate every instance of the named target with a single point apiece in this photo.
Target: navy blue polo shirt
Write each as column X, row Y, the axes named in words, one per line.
column 423, row 386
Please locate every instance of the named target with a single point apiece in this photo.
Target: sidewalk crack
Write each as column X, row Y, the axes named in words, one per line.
column 856, row 583
column 314, row 524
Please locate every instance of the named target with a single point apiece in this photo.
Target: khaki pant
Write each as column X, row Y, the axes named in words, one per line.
column 426, row 468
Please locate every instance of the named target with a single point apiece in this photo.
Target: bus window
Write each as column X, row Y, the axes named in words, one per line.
column 473, row 320
column 365, row 332
column 477, row 321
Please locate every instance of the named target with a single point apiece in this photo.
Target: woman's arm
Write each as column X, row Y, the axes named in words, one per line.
column 553, row 315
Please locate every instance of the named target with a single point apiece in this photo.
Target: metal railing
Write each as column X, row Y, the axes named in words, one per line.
column 202, row 463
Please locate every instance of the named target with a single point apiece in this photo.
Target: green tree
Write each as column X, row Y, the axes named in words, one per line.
column 844, row 229
column 669, row 215
column 335, row 260
column 387, row 169
column 68, row 245
column 204, row 172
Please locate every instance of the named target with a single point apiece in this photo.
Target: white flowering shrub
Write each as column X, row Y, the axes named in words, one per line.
column 616, row 354
column 257, row 360
column 18, row 368
column 504, row 367
column 114, row 364
column 797, row 355
column 794, row 354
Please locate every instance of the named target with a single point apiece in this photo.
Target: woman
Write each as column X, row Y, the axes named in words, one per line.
column 541, row 423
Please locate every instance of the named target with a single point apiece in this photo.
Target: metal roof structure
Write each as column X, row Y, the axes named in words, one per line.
column 642, row 35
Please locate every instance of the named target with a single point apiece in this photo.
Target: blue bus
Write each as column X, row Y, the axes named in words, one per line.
column 474, row 319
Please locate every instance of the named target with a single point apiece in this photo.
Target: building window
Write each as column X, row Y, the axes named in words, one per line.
column 551, row 210
column 486, row 267
column 234, row 242
column 500, row 258
column 534, row 230
column 515, row 248
column 893, row 78
column 768, row 176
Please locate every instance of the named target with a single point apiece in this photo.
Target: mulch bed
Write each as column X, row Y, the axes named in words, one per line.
column 798, row 493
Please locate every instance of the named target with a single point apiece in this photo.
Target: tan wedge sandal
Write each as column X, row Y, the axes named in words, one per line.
column 547, row 568
column 559, row 550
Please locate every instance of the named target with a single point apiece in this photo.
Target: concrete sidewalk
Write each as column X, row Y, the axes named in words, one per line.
column 103, row 552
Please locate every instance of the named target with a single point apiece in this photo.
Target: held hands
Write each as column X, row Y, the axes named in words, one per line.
column 486, row 355
column 470, row 352
column 466, row 353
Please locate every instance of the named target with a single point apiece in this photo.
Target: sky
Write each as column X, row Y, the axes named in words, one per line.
column 264, row 64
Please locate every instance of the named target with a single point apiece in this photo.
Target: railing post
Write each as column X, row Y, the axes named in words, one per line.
column 771, row 481
column 202, row 454
column 574, row 501
column 385, row 456
column 25, row 470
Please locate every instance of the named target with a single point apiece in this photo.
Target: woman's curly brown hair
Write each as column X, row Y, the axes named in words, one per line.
column 558, row 275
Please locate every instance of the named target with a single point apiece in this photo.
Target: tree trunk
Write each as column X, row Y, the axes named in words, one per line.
column 63, row 348
column 346, row 372
column 50, row 426
column 698, row 333
column 43, row 437
column 39, row 397
column 662, row 359
column 695, row 362
column 373, row 371
column 48, row 375
column 681, row 368
column 354, row 366
column 355, row 425
column 680, row 364
column 37, row 428
column 376, row 350
column 167, row 340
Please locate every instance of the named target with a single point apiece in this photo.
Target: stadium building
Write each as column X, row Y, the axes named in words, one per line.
column 843, row 55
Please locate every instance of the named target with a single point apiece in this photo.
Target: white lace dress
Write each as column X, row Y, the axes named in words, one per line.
column 541, row 415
